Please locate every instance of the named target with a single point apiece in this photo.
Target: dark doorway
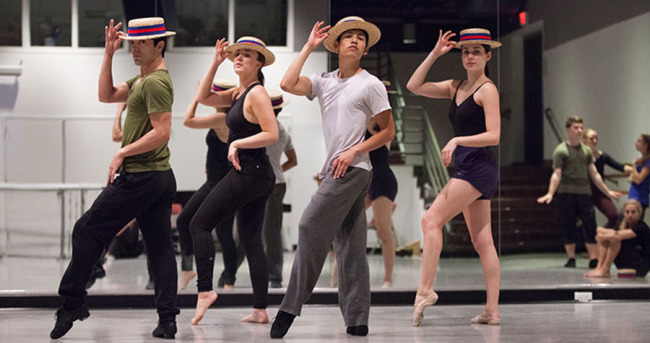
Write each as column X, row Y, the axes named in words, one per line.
column 533, row 103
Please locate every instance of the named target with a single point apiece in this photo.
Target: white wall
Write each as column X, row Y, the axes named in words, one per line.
column 602, row 77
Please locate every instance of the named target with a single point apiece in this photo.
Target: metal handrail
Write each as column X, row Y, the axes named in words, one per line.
column 554, row 124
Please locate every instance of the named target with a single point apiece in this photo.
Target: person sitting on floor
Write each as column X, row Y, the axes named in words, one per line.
column 627, row 247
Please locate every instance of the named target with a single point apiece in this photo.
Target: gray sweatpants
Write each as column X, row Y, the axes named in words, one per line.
column 336, row 213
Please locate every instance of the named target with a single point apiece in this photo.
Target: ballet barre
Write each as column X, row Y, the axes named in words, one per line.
column 60, row 189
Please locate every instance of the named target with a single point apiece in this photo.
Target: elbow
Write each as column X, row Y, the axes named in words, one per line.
column 410, row 87
column 103, row 97
column 285, row 86
column 117, row 138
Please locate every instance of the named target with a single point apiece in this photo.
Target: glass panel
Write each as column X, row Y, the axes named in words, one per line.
column 264, row 19
column 10, row 25
column 93, row 16
column 50, row 22
column 201, row 22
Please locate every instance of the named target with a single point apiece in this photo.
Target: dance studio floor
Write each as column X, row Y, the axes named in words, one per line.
column 28, row 297
column 555, row 322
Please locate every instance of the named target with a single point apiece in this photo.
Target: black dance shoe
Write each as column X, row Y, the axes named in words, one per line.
column 165, row 330
column 281, row 324
column 65, row 318
column 570, row 263
column 593, row 263
column 359, row 330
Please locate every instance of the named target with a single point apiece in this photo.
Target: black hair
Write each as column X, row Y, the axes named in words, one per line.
column 487, row 49
column 161, row 39
column 260, row 75
column 277, row 111
column 338, row 39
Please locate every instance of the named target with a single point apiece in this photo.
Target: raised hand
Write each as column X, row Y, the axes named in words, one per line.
column 220, row 53
column 318, row 34
column 113, row 37
column 444, row 44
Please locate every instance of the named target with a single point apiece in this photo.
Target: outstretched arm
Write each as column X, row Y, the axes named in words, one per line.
column 552, row 187
column 117, row 124
column 217, row 119
column 442, row 89
column 107, row 92
column 292, row 82
column 598, row 181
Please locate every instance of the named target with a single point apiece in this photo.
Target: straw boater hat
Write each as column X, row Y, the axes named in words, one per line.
column 251, row 43
column 477, row 36
column 147, row 28
column 351, row 23
column 219, row 85
column 277, row 100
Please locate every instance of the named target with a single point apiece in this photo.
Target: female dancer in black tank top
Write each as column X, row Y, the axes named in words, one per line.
column 474, row 113
column 381, row 197
column 247, row 185
column 216, row 167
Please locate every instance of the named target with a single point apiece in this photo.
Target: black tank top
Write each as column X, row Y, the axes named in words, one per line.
column 216, row 162
column 252, row 161
column 379, row 156
column 468, row 118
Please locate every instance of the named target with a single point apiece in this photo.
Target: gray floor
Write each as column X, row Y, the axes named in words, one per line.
column 128, row 276
column 558, row 322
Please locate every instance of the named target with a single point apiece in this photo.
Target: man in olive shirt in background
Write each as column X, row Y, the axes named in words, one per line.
column 140, row 181
column 573, row 165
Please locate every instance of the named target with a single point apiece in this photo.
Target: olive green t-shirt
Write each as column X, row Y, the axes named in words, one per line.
column 152, row 94
column 574, row 162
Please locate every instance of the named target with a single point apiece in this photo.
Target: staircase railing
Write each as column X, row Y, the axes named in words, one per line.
column 552, row 120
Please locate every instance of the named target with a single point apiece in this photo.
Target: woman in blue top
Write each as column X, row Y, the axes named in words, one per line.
column 639, row 180
column 475, row 116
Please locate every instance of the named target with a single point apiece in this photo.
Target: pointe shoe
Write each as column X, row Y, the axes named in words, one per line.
column 422, row 302
column 186, row 277
column 486, row 319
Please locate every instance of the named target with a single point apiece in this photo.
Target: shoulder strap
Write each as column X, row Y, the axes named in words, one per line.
column 477, row 88
column 456, row 92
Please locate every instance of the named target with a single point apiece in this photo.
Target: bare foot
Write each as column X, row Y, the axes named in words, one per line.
column 228, row 286
column 597, row 273
column 258, row 316
column 203, row 302
column 186, row 277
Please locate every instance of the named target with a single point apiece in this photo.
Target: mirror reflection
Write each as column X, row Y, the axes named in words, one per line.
column 545, row 218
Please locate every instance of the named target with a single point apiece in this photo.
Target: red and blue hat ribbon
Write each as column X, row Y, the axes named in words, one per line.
column 147, row 30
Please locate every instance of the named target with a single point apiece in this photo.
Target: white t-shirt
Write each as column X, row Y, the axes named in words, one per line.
column 346, row 106
column 275, row 150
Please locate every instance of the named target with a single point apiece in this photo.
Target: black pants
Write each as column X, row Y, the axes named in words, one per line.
column 245, row 195
column 224, row 233
column 146, row 196
column 573, row 206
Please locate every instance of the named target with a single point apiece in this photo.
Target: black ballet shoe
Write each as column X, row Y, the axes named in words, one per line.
column 281, row 324
column 593, row 263
column 570, row 263
column 165, row 330
column 359, row 330
column 65, row 318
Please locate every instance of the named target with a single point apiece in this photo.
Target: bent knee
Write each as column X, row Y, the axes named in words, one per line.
column 431, row 223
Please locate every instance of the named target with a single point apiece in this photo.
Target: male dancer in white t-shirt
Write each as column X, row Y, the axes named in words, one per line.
column 348, row 97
